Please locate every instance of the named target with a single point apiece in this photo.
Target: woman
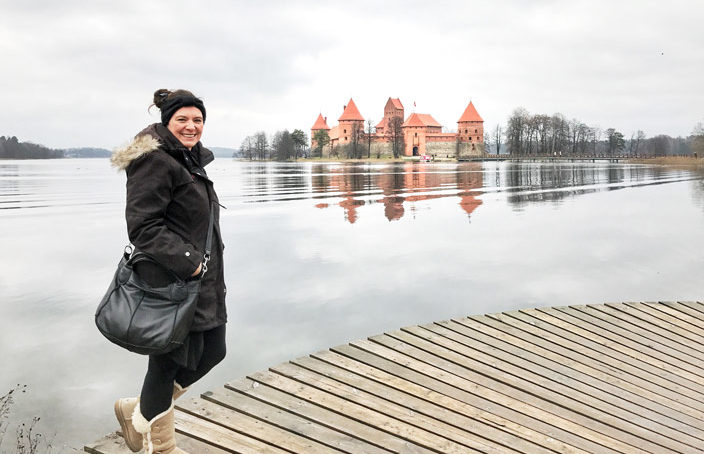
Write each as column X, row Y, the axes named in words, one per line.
column 169, row 198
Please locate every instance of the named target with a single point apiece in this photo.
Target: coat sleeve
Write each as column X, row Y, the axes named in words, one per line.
column 149, row 189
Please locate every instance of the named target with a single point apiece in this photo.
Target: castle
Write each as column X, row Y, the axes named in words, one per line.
column 421, row 133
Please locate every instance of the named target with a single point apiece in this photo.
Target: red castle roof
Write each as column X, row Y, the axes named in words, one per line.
column 396, row 103
column 421, row 120
column 470, row 114
column 351, row 112
column 320, row 123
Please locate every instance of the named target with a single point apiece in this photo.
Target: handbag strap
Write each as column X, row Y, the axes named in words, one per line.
column 209, row 239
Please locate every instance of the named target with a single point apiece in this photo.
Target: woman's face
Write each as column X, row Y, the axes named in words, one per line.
column 187, row 125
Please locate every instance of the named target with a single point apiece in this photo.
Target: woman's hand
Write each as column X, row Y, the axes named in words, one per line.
column 197, row 272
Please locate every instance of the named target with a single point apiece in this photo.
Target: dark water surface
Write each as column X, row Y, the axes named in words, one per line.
column 322, row 254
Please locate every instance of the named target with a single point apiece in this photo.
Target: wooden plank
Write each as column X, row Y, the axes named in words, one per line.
column 111, row 443
column 640, row 351
column 696, row 307
column 655, row 345
column 228, row 440
column 545, row 362
column 658, row 329
column 617, row 350
column 489, row 399
column 549, row 394
column 291, row 422
column 511, row 340
column 679, row 317
column 661, row 324
column 359, row 413
column 696, row 317
column 255, row 428
column 321, row 415
column 390, row 409
column 598, row 356
column 432, row 403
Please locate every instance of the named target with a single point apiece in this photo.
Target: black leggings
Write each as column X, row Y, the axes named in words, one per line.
column 158, row 386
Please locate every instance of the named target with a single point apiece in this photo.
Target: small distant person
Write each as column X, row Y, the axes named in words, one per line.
column 169, row 198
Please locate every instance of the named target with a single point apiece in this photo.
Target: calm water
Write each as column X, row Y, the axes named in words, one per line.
column 323, row 254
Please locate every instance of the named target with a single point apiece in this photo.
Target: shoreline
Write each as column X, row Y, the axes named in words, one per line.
column 671, row 161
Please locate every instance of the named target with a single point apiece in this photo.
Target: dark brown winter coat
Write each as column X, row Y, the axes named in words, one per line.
column 168, row 210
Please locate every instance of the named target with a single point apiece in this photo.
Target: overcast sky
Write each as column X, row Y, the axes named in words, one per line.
column 82, row 73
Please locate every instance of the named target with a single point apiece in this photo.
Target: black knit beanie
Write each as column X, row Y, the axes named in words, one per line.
column 171, row 105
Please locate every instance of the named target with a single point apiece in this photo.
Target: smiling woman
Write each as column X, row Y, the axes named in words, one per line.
column 171, row 209
column 187, row 126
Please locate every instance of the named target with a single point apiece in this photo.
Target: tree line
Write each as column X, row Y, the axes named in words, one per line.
column 540, row 134
column 361, row 138
column 11, row 148
column 282, row 146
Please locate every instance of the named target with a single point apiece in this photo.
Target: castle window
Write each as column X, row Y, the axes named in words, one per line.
column 470, row 138
column 465, row 131
column 344, row 131
column 475, row 131
column 345, row 137
column 416, row 134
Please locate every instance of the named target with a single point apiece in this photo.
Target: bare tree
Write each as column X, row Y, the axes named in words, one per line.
column 497, row 134
column 660, row 145
column 354, row 147
column 516, row 131
column 634, row 144
column 369, row 133
column 396, row 134
column 247, row 148
column 261, row 145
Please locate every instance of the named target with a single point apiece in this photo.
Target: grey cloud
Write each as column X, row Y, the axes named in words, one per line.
column 83, row 72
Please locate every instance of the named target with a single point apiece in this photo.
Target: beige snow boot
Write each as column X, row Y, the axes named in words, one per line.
column 158, row 435
column 179, row 391
column 123, row 410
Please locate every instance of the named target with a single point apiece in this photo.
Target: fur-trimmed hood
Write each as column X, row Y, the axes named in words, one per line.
column 150, row 139
column 142, row 144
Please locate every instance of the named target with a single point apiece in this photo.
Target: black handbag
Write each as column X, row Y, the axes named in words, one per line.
column 146, row 319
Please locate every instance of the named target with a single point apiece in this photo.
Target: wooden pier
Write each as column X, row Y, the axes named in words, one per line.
column 607, row 379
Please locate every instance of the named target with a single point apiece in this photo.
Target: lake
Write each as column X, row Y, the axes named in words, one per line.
column 320, row 254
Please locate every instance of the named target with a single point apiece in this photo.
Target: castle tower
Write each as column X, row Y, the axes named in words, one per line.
column 320, row 123
column 393, row 108
column 470, row 126
column 349, row 123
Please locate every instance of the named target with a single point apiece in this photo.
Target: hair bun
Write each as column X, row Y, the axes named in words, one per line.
column 160, row 96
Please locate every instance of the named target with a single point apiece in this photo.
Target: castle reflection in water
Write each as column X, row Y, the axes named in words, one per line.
column 396, row 187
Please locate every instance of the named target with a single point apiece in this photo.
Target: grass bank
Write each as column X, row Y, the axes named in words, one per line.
column 672, row 161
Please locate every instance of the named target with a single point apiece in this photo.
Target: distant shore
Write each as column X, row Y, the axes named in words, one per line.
column 674, row 161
